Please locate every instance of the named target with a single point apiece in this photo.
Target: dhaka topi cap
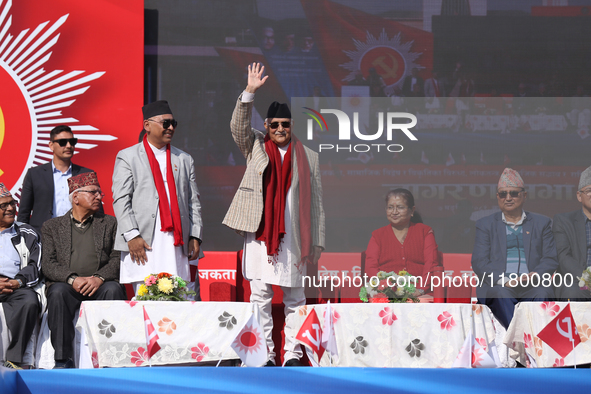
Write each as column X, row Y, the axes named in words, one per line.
column 585, row 179
column 277, row 110
column 81, row 180
column 510, row 178
column 156, row 108
column 4, row 192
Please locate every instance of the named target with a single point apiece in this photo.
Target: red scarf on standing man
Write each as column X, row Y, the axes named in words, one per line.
column 168, row 221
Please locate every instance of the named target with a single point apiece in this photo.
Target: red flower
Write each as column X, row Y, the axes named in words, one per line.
column 388, row 316
column 383, row 285
column 95, row 362
column 446, row 320
column 559, row 362
column 164, row 275
column 527, row 341
column 550, row 307
column 199, row 352
column 380, row 298
column 139, row 357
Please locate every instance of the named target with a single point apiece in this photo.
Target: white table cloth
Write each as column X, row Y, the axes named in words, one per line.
column 403, row 335
column 188, row 331
column 531, row 317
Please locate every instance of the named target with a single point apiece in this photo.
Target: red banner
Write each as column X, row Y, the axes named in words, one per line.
column 366, row 41
column 65, row 62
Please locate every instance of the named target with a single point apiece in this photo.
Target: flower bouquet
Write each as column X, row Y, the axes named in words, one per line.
column 163, row 287
column 389, row 287
column 585, row 279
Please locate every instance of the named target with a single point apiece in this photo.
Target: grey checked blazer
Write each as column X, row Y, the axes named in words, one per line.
column 57, row 248
column 135, row 199
column 571, row 244
column 246, row 210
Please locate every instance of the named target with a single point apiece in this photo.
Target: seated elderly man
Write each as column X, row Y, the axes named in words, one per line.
column 79, row 262
column 572, row 232
column 20, row 255
column 513, row 252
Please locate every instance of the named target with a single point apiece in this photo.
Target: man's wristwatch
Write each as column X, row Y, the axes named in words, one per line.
column 100, row 277
column 71, row 279
column 20, row 283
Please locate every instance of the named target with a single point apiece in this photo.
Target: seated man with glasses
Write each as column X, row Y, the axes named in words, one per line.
column 79, row 262
column 45, row 188
column 20, row 255
column 514, row 253
column 572, row 232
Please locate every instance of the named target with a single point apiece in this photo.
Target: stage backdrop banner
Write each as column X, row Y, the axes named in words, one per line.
column 65, row 62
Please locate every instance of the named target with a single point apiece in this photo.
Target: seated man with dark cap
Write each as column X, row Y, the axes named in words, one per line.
column 79, row 261
column 278, row 209
column 156, row 202
column 514, row 252
column 20, row 257
column 572, row 232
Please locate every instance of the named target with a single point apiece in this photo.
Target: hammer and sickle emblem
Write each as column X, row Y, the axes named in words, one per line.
column 389, row 72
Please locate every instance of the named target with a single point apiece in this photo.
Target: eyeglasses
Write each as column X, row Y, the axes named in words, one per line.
column 64, row 141
column 512, row 193
column 5, row 206
column 275, row 125
column 398, row 208
column 586, row 191
column 95, row 192
column 166, row 122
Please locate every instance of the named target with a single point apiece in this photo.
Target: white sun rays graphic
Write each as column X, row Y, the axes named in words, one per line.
column 371, row 42
column 46, row 93
column 249, row 340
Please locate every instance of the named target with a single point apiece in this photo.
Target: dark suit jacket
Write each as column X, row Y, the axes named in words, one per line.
column 490, row 248
column 37, row 195
column 57, row 248
column 571, row 245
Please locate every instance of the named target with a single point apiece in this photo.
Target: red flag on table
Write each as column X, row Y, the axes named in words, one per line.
column 561, row 333
column 352, row 42
column 250, row 344
column 311, row 334
column 151, row 335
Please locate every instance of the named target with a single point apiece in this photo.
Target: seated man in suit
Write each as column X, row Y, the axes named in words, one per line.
column 572, row 232
column 20, row 255
column 79, row 262
column 45, row 188
column 513, row 252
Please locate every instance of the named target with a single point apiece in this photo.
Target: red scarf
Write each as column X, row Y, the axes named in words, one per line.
column 168, row 222
column 276, row 183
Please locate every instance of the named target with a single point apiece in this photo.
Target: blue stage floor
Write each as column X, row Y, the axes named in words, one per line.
column 294, row 380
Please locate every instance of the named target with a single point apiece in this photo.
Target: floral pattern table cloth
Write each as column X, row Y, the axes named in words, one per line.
column 188, row 331
column 531, row 317
column 403, row 335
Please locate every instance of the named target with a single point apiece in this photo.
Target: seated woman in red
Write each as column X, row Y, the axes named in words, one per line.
column 404, row 244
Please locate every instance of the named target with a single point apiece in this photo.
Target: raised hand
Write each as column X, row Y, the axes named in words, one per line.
column 255, row 77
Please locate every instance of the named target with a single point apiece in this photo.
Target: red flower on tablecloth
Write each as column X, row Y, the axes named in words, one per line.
column 335, row 316
column 446, row 320
column 166, row 325
column 584, row 332
column 538, row 346
column 95, row 362
column 303, row 310
column 139, row 357
column 388, row 316
column 380, row 298
column 528, row 341
column 482, row 343
column 477, row 309
column 131, row 303
column 550, row 307
column 559, row 362
column 199, row 352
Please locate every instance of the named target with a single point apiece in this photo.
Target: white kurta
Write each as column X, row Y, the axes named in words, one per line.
column 255, row 262
column 164, row 256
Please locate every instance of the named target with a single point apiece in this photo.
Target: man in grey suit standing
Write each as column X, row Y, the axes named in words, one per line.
column 278, row 209
column 572, row 233
column 156, row 202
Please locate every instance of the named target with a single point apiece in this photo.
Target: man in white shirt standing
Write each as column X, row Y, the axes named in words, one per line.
column 156, row 202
